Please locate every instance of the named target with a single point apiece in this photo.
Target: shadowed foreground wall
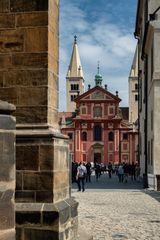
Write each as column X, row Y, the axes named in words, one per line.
column 29, row 59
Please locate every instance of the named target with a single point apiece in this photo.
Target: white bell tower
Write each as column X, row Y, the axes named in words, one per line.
column 74, row 78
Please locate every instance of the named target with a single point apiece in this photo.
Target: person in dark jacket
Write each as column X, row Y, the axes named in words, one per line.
column 110, row 169
column 88, row 167
column 126, row 172
column 132, row 171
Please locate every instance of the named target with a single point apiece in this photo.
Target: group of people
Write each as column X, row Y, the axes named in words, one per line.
column 81, row 172
column 125, row 170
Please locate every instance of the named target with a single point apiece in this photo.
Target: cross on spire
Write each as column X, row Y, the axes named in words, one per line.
column 98, row 67
column 75, row 39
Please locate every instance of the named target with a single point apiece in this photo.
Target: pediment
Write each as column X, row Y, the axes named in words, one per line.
column 88, row 97
column 108, row 97
column 98, row 93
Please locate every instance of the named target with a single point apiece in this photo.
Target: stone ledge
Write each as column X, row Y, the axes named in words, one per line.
column 46, row 213
column 39, row 133
column 6, row 108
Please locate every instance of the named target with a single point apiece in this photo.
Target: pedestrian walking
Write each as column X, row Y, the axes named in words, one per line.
column 132, row 171
column 110, row 169
column 97, row 171
column 88, row 167
column 81, row 175
column 137, row 172
column 126, row 171
column 120, row 173
column 74, row 171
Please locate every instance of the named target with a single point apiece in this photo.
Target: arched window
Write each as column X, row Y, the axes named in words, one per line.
column 97, row 133
column 84, row 136
column 111, row 136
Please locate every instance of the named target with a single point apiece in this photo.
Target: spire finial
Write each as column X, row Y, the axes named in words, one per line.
column 98, row 77
column 75, row 39
column 98, row 67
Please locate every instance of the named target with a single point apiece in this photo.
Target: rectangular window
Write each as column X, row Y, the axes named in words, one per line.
column 136, row 86
column 74, row 87
column 83, row 110
column 97, row 133
column 125, row 136
column 77, row 87
column 97, row 112
column 136, row 97
column 111, row 110
column 73, row 97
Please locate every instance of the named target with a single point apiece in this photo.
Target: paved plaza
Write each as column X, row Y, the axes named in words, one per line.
column 109, row 210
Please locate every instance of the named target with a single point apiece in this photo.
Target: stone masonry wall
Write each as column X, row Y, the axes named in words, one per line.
column 28, row 75
column 42, row 165
column 7, row 172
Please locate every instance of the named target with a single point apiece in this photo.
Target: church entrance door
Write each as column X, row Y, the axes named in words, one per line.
column 97, row 157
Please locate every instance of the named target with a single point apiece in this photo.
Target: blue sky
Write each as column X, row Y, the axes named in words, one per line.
column 105, row 33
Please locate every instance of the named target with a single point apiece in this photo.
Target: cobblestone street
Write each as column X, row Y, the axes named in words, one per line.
column 109, row 210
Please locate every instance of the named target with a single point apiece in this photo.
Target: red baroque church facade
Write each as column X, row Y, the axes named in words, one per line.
column 98, row 132
column 98, row 129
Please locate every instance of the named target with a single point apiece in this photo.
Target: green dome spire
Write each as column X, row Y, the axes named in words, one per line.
column 98, row 77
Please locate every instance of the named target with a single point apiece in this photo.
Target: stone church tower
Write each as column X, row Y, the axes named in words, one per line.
column 133, row 89
column 74, row 78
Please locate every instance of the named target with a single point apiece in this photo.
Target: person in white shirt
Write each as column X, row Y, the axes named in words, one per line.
column 81, row 175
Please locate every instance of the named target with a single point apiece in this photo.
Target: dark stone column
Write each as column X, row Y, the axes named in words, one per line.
column 29, row 59
column 7, row 171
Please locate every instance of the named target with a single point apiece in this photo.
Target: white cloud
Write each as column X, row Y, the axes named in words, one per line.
column 97, row 41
